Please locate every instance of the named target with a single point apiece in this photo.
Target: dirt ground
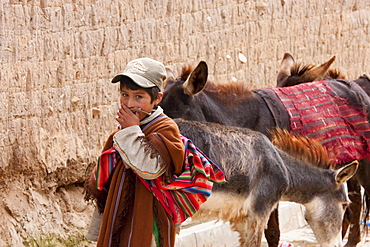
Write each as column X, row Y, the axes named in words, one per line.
column 304, row 237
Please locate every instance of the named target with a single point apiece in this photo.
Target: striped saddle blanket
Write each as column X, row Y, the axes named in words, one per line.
column 316, row 111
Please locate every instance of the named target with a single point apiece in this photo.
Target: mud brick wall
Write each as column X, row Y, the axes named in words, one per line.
column 58, row 56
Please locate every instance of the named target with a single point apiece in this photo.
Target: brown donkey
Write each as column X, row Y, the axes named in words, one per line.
column 191, row 97
column 292, row 73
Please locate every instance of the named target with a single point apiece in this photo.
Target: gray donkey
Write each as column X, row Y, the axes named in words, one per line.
column 261, row 174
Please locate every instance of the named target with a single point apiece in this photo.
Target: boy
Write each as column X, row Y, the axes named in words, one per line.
column 149, row 146
column 148, row 178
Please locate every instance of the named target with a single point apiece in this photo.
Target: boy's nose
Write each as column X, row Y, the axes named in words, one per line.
column 130, row 103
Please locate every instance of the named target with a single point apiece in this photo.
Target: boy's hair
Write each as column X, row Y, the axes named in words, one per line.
column 130, row 84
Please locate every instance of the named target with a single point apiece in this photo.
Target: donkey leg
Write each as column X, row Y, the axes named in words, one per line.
column 345, row 223
column 354, row 193
column 362, row 175
column 251, row 231
column 272, row 232
column 241, row 228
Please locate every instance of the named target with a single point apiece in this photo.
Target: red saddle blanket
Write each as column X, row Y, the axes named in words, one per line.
column 317, row 112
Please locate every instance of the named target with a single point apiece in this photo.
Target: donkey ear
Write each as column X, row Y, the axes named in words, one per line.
column 346, row 172
column 317, row 73
column 285, row 67
column 169, row 73
column 169, row 77
column 197, row 79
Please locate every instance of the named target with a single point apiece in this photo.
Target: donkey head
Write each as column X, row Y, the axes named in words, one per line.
column 291, row 73
column 178, row 93
column 325, row 212
column 325, row 198
column 364, row 82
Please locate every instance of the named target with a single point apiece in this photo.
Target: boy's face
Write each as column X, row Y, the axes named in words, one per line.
column 139, row 99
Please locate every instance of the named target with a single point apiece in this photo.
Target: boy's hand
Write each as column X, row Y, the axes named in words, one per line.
column 126, row 118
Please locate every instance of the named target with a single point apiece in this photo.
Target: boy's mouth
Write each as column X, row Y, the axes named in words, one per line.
column 133, row 109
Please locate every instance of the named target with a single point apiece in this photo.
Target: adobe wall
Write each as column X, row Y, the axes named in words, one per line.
column 57, row 58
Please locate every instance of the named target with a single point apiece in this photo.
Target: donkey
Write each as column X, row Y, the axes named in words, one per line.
column 192, row 97
column 292, row 73
column 260, row 174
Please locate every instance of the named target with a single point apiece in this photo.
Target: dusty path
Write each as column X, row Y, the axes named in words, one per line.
column 307, row 238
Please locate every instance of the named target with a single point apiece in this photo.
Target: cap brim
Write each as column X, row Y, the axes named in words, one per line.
column 117, row 78
column 137, row 79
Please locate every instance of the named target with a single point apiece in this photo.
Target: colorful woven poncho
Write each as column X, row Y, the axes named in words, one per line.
column 316, row 112
column 107, row 161
column 182, row 196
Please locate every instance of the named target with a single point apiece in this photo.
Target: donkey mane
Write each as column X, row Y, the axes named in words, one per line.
column 299, row 69
column 233, row 87
column 306, row 149
column 186, row 70
column 336, row 74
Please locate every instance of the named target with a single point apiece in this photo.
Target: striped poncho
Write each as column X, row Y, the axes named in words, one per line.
column 182, row 196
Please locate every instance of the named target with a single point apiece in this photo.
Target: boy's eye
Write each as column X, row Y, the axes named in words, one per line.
column 139, row 96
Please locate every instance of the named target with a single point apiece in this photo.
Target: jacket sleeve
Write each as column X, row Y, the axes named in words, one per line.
column 129, row 142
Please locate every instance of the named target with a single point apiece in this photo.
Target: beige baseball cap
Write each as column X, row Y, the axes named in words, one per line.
column 145, row 72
